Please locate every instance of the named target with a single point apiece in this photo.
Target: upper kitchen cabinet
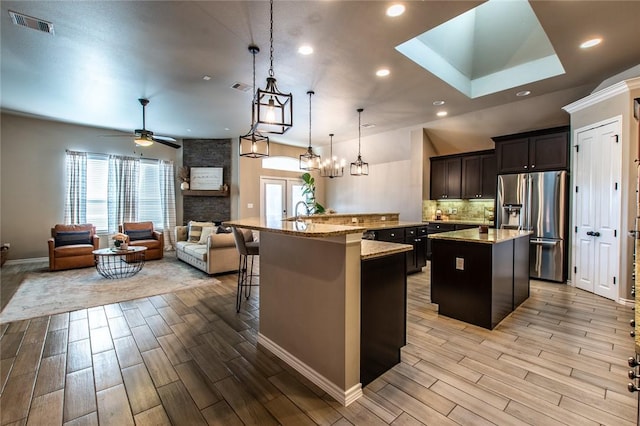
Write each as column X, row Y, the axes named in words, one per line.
column 479, row 175
column 446, row 177
column 533, row 151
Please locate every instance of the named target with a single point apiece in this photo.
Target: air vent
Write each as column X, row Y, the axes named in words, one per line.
column 31, row 22
column 241, row 86
column 368, row 125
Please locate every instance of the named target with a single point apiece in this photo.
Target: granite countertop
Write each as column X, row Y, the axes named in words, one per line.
column 391, row 225
column 372, row 249
column 461, row 222
column 474, row 236
column 297, row 228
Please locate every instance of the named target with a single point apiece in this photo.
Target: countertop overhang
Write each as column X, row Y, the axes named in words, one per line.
column 493, row 236
column 295, row 228
column 372, row 249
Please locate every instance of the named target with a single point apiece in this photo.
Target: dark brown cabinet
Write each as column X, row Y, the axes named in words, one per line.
column 446, row 178
column 415, row 236
column 479, row 176
column 533, row 151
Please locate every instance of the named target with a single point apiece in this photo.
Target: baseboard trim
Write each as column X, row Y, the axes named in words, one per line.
column 345, row 397
column 626, row 302
column 25, row 261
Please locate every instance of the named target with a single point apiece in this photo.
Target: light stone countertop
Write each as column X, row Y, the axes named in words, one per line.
column 494, row 236
column 372, row 249
column 391, row 225
column 460, row 222
column 295, row 228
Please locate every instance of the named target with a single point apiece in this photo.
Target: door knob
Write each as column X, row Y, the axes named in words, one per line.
column 590, row 233
column 596, row 234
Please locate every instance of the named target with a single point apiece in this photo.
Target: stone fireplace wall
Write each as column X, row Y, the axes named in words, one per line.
column 207, row 153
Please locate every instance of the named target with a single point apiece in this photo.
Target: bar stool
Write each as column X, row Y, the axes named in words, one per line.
column 245, row 275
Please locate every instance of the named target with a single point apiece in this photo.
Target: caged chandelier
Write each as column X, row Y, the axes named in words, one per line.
column 274, row 109
column 310, row 160
column 253, row 144
column 332, row 167
column 359, row 167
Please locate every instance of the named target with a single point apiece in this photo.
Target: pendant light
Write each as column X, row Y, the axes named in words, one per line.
column 332, row 167
column 253, row 144
column 359, row 167
column 274, row 109
column 310, row 160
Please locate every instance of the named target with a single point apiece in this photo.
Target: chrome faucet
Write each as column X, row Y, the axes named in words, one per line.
column 306, row 209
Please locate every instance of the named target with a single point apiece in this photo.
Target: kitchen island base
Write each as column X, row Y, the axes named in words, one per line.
column 479, row 281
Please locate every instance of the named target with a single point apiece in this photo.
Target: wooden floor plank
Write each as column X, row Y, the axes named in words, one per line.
column 113, row 407
column 46, row 409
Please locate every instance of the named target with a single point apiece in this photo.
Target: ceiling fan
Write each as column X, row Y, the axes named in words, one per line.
column 144, row 137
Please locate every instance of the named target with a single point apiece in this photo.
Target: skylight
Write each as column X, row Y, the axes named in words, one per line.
column 493, row 47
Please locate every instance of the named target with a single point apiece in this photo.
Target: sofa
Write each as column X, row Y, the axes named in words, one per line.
column 208, row 247
column 143, row 234
column 72, row 246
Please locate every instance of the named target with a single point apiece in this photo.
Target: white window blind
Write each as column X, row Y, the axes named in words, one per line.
column 149, row 201
column 97, row 173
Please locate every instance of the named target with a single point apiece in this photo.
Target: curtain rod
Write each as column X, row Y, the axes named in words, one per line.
column 117, row 155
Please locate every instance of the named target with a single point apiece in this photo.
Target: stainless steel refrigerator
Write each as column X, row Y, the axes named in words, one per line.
column 537, row 202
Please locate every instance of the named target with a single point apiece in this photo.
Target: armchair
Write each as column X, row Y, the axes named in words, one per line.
column 72, row 246
column 143, row 234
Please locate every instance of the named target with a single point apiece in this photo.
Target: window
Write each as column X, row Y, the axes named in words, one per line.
column 97, row 172
column 149, row 199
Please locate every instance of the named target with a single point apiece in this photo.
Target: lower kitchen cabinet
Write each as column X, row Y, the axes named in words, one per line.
column 434, row 228
column 415, row 236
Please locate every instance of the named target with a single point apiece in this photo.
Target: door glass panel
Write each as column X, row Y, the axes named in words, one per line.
column 295, row 197
column 273, row 200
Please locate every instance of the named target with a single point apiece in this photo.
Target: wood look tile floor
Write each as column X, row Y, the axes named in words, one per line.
column 187, row 358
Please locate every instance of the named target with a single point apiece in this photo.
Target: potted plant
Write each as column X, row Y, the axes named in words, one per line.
column 309, row 192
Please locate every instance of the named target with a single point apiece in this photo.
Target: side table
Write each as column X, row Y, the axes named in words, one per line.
column 114, row 263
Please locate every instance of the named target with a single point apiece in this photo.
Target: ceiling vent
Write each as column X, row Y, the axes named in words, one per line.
column 31, row 22
column 241, row 86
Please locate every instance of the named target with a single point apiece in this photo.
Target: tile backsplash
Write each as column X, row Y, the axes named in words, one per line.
column 458, row 209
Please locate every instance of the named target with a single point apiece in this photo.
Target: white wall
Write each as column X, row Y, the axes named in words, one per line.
column 32, row 185
column 395, row 180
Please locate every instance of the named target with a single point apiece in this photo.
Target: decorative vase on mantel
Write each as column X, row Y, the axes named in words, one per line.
column 184, row 186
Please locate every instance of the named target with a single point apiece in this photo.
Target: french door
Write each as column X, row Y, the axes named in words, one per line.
column 278, row 197
column 597, row 209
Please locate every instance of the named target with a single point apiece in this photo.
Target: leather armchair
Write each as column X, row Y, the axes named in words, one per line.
column 143, row 234
column 72, row 246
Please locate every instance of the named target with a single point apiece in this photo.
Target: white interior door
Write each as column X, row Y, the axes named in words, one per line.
column 278, row 197
column 597, row 209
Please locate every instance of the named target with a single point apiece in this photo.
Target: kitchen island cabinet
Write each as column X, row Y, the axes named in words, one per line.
column 321, row 292
column 479, row 278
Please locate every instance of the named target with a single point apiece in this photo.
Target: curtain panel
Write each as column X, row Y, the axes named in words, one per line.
column 168, row 202
column 122, row 201
column 75, row 205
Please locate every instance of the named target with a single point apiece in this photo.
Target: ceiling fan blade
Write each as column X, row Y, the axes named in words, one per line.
column 164, row 138
column 167, row 143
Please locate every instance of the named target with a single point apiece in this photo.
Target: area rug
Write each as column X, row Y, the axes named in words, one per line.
column 45, row 293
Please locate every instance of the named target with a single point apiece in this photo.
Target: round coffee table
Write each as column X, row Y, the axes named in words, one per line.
column 113, row 263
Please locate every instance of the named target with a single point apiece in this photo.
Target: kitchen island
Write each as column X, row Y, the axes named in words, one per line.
column 321, row 287
column 478, row 277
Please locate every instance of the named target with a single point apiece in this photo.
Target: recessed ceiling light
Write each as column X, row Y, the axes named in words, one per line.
column 523, row 93
column 438, row 103
column 206, row 77
column 305, row 50
column 188, row 130
column 368, row 125
column 226, row 128
column 383, row 72
column 442, row 113
column 590, row 43
column 395, row 10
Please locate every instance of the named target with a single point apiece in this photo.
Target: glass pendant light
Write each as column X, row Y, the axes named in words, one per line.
column 359, row 167
column 274, row 109
column 253, row 144
column 332, row 167
column 310, row 160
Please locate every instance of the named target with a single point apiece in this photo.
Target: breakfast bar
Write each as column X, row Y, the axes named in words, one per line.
column 314, row 280
column 479, row 277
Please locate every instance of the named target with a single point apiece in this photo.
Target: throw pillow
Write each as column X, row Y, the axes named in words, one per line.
column 68, row 238
column 142, row 234
column 223, row 230
column 206, row 231
column 195, row 232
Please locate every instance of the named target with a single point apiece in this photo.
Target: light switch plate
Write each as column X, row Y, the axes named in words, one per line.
column 250, row 205
column 460, row 263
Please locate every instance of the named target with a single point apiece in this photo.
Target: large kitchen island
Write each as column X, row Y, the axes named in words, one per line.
column 478, row 277
column 321, row 289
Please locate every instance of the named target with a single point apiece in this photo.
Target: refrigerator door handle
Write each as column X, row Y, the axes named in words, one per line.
column 544, row 243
